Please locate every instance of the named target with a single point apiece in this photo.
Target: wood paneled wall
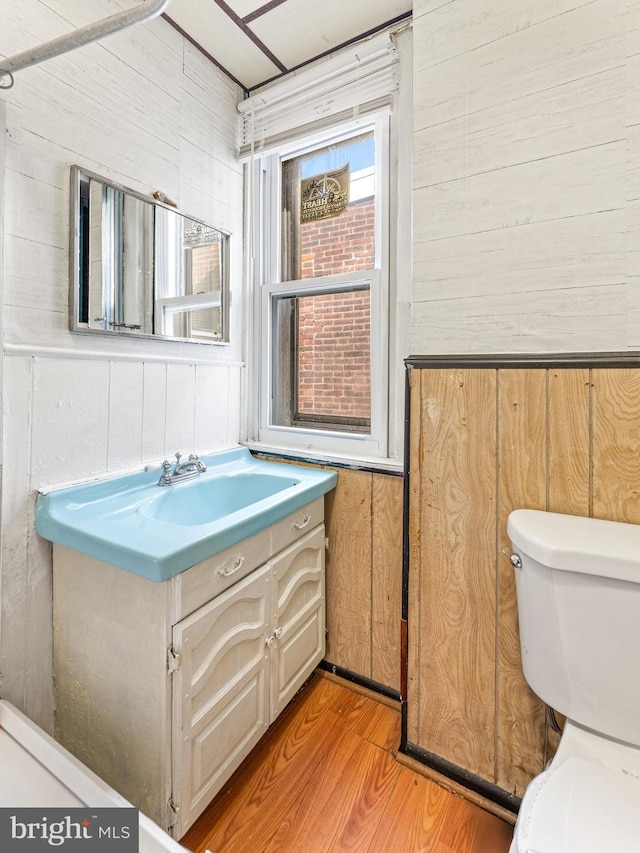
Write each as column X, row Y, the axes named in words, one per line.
column 363, row 520
column 364, row 575
column 484, row 442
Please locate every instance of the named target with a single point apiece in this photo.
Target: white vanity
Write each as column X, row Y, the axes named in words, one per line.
column 163, row 687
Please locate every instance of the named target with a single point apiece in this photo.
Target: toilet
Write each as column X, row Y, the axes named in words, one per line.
column 578, row 593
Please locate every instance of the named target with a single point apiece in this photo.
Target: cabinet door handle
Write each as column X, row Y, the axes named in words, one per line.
column 230, row 570
column 272, row 641
column 301, row 523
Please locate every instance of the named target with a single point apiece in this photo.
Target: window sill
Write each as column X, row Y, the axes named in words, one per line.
column 360, row 463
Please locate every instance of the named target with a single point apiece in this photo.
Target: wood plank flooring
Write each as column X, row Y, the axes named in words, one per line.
column 325, row 778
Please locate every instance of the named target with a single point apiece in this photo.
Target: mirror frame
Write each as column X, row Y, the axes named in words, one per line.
column 78, row 173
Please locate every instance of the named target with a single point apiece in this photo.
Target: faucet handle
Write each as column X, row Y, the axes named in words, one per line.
column 178, row 458
column 165, row 478
column 193, row 457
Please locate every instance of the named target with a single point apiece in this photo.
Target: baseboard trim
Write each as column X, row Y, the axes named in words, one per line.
column 360, row 680
column 462, row 782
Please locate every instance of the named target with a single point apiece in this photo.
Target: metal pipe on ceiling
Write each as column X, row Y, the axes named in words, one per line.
column 84, row 35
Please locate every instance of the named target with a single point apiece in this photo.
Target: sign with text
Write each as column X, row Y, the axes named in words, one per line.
column 76, row 830
column 324, row 196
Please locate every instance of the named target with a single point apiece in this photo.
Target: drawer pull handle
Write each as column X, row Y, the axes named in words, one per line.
column 301, row 523
column 230, row 570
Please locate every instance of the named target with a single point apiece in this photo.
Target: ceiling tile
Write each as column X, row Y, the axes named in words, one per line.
column 214, row 31
column 299, row 30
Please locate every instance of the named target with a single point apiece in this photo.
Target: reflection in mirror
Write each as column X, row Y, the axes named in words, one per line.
column 141, row 268
column 116, row 238
column 189, row 277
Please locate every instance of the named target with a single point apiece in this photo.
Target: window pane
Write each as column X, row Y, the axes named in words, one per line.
column 197, row 323
column 203, row 258
column 334, row 378
column 324, row 360
column 328, row 214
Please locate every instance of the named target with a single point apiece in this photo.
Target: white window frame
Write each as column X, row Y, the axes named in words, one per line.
column 328, row 440
column 328, row 112
column 316, row 440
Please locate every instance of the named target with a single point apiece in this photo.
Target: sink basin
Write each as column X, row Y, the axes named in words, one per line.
column 202, row 501
column 159, row 531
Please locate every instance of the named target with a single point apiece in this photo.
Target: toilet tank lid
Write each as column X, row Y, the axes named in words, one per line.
column 576, row 544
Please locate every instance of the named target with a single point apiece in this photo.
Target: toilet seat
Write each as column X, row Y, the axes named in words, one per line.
column 579, row 806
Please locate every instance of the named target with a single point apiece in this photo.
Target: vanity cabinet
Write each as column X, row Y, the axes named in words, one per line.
column 239, row 659
column 164, row 688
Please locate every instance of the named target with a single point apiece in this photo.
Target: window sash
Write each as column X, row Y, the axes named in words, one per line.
column 299, row 435
column 286, row 366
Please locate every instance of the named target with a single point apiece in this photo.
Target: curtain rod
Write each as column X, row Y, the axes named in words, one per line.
column 85, row 35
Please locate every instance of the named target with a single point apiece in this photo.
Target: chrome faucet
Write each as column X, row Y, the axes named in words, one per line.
column 181, row 470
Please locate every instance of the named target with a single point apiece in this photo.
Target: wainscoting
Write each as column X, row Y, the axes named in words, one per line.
column 363, row 520
column 364, row 575
column 484, row 440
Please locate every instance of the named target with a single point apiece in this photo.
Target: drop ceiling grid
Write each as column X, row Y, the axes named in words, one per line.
column 255, row 41
column 295, row 31
column 244, row 8
column 215, row 32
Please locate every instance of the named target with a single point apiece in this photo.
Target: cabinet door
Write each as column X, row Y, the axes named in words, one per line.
column 298, row 616
column 220, row 691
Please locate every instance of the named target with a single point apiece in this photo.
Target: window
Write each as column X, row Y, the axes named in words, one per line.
column 321, row 343
column 321, row 149
column 324, row 353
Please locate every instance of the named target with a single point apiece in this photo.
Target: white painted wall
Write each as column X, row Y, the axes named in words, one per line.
column 146, row 109
column 526, row 176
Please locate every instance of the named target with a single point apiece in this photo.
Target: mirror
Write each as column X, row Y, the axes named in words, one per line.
column 139, row 267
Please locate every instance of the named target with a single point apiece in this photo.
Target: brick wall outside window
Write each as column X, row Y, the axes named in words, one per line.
column 345, row 243
column 334, row 376
column 206, row 274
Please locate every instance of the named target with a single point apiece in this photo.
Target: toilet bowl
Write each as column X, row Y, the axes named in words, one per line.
column 587, row 801
column 578, row 593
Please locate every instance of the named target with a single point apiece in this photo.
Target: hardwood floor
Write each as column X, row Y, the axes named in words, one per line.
column 325, row 778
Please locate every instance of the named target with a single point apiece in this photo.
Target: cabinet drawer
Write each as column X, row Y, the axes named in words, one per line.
column 208, row 579
column 285, row 532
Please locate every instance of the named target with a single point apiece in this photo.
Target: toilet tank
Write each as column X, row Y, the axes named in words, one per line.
column 578, row 592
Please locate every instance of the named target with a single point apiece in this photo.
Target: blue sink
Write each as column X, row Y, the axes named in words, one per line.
column 159, row 531
column 206, row 500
